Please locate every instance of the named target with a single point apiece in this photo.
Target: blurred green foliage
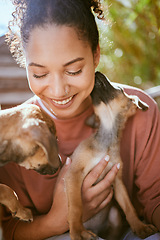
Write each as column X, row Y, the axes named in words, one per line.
column 130, row 42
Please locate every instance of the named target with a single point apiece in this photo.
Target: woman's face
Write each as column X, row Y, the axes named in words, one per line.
column 61, row 69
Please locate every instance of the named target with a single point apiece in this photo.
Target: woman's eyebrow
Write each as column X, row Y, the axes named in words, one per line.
column 73, row 61
column 35, row 65
column 32, row 64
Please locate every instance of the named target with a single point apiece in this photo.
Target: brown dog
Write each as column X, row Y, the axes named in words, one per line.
column 112, row 106
column 28, row 138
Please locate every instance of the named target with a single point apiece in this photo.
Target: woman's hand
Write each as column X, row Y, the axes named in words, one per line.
column 96, row 197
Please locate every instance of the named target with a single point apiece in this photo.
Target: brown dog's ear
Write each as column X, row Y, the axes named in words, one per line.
column 38, row 131
column 142, row 105
column 3, row 146
column 137, row 101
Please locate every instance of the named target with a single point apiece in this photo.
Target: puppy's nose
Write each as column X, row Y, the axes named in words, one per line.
column 47, row 169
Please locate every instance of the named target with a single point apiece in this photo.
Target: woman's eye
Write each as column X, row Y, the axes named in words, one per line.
column 74, row 73
column 39, row 76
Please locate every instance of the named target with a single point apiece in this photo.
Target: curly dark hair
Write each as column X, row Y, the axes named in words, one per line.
column 29, row 14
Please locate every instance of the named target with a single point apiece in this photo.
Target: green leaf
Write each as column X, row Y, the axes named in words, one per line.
column 141, row 4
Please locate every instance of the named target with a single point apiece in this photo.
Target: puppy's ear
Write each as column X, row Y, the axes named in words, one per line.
column 38, row 131
column 137, row 101
column 142, row 105
column 3, row 146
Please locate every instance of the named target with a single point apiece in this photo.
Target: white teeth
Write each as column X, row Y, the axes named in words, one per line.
column 64, row 101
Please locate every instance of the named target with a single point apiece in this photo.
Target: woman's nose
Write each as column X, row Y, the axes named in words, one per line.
column 57, row 86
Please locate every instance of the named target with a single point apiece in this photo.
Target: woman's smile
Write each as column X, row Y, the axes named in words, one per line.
column 61, row 72
column 62, row 102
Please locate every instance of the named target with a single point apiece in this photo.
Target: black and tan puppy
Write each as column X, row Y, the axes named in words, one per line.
column 112, row 106
column 28, row 138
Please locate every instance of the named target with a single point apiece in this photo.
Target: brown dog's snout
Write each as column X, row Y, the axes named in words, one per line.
column 48, row 168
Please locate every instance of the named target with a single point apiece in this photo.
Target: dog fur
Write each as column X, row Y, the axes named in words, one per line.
column 113, row 107
column 28, row 138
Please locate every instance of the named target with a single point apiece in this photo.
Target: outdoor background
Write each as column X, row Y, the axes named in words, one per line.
column 131, row 42
column 129, row 38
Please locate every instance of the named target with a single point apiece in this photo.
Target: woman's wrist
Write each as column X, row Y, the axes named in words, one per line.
column 57, row 221
column 42, row 227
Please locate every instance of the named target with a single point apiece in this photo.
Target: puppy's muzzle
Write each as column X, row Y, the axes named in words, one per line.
column 48, row 168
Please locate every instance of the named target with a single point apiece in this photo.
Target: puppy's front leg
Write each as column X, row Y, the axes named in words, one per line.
column 74, row 180
column 10, row 200
column 142, row 230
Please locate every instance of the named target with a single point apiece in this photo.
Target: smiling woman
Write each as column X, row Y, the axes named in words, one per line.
column 59, row 46
column 62, row 75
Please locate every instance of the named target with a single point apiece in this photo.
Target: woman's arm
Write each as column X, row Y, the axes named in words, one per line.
column 53, row 223
column 96, row 197
column 41, row 228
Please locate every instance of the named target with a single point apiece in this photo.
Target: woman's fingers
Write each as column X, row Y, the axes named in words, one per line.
column 93, row 176
column 96, row 197
column 96, row 204
column 107, row 200
column 105, row 187
column 108, row 179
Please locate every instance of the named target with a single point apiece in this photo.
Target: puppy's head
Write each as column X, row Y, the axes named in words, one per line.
column 115, row 97
column 103, row 90
column 28, row 137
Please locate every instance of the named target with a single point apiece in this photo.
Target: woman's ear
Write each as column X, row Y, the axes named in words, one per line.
column 97, row 56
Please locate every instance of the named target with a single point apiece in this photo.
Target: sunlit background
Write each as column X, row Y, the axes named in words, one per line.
column 129, row 41
column 131, row 50
column 6, row 8
column 13, row 81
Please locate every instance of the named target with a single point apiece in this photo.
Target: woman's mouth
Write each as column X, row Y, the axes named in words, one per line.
column 62, row 102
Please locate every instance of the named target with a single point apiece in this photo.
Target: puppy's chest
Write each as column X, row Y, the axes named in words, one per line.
column 108, row 115
column 107, row 140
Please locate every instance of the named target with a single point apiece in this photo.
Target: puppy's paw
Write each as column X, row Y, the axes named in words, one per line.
column 88, row 235
column 83, row 235
column 24, row 214
column 145, row 230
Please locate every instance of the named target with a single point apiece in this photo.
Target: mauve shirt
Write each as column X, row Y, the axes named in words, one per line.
column 140, row 152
